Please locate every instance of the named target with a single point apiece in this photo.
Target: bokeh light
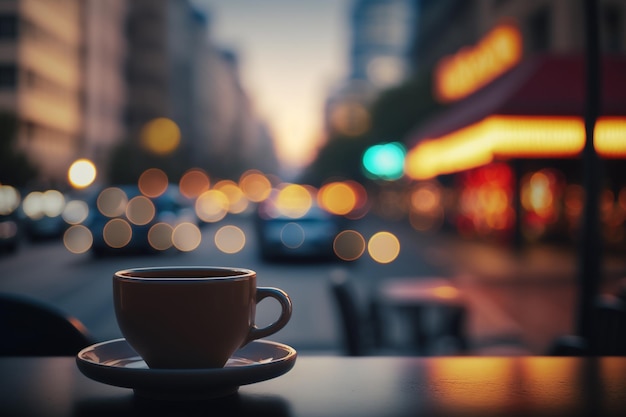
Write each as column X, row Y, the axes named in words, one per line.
column 292, row 235
column 350, row 119
column 186, row 237
column 362, row 202
column 256, row 186
column 77, row 239
column 112, row 202
column 294, row 200
column 160, row 136
column 140, row 210
column 152, row 182
column 33, row 205
column 337, row 198
column 9, row 199
column 53, row 203
column 384, row 247
column 82, row 173
column 38, row 204
column 237, row 201
column 230, row 239
column 117, row 233
column 349, row 245
column 426, row 209
column 385, row 161
column 194, row 182
column 160, row 236
column 211, row 206
column 75, row 212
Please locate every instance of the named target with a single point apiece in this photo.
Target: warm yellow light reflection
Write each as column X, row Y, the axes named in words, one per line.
column 77, row 239
column 384, row 247
column 609, row 137
column 337, row 197
column 160, row 236
column 349, row 245
column 551, row 394
column 186, row 237
column 152, row 182
column 294, row 200
column 446, row 291
column 237, row 201
column 82, row 173
column 471, row 68
column 256, row 186
column 537, row 194
column 194, row 182
column 490, row 389
column 212, row 206
column 117, row 233
column 112, row 202
column 230, row 239
column 496, row 136
column 361, row 206
column 140, row 210
column 160, row 136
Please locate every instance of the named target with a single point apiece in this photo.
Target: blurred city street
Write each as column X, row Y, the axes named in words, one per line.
column 518, row 303
column 408, row 139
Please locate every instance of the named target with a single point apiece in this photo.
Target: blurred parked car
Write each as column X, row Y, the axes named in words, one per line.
column 123, row 220
column 41, row 213
column 310, row 236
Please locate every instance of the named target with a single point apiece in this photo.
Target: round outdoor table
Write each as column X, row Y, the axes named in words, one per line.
column 433, row 307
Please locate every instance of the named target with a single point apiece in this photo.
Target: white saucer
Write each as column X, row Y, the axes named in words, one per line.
column 115, row 363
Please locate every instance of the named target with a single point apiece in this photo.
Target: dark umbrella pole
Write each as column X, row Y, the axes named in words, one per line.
column 590, row 239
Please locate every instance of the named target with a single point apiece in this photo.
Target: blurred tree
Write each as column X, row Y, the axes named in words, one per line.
column 340, row 157
column 394, row 114
column 399, row 110
column 15, row 168
column 128, row 160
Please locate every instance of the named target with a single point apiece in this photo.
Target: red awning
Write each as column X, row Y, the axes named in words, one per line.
column 542, row 85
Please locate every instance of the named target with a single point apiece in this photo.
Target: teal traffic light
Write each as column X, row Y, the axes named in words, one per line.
column 385, row 161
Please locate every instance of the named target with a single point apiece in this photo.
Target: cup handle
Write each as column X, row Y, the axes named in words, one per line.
column 285, row 304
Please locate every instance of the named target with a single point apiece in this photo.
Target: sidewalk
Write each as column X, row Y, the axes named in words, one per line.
column 518, row 303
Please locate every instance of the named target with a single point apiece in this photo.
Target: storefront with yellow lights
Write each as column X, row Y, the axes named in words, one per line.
column 507, row 110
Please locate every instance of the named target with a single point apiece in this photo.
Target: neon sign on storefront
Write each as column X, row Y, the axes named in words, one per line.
column 475, row 66
column 503, row 137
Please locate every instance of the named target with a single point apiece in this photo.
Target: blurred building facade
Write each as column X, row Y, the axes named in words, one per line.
column 445, row 26
column 516, row 77
column 174, row 70
column 381, row 34
column 84, row 77
column 104, row 84
column 40, row 62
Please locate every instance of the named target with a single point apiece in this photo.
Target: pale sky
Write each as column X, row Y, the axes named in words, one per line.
column 291, row 53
